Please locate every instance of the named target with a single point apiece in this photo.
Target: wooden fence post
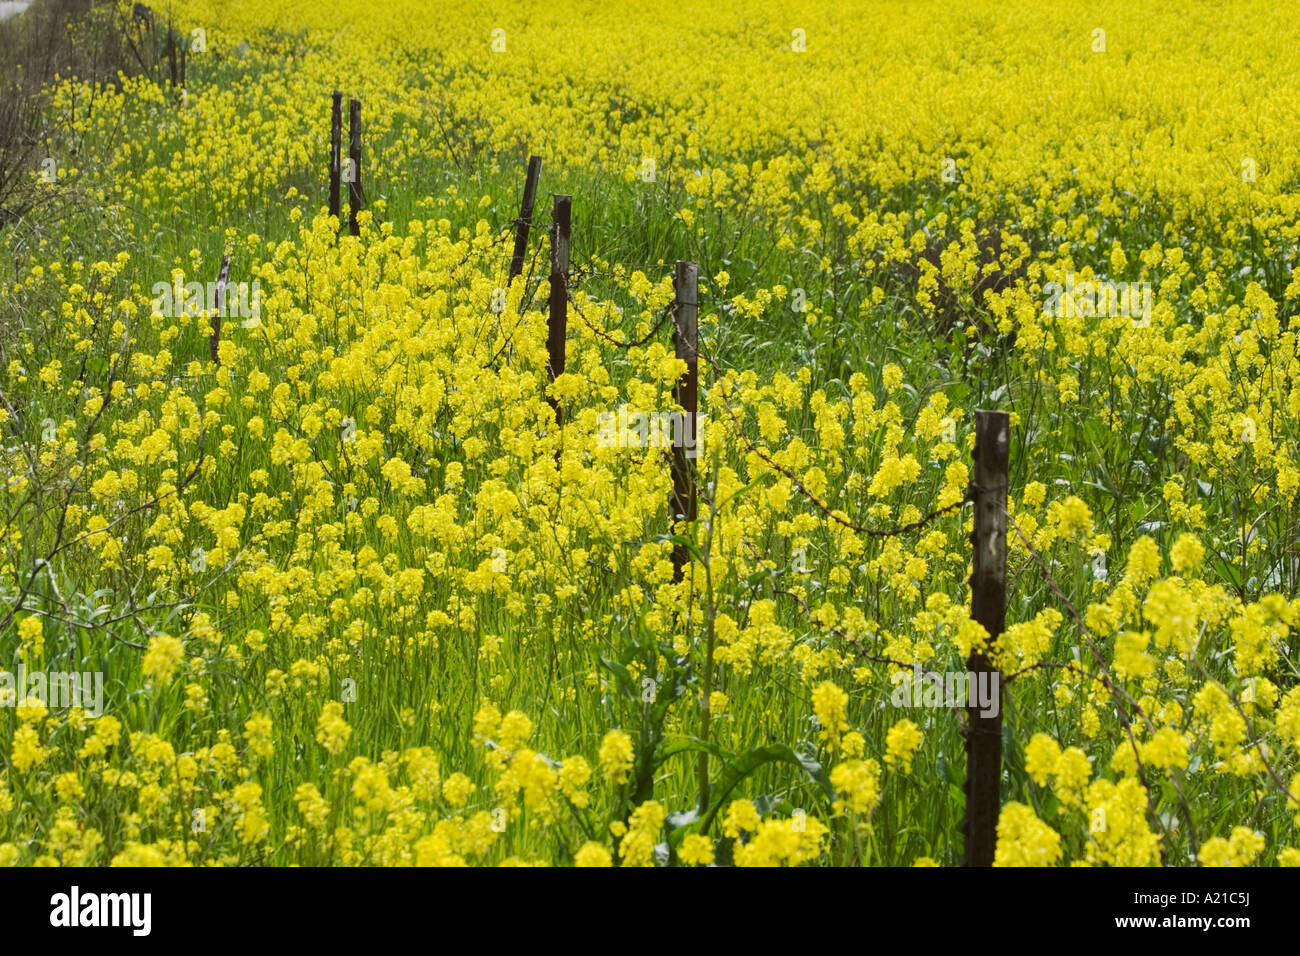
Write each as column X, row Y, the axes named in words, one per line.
column 171, row 53
column 989, row 607
column 557, row 323
column 681, row 506
column 336, row 138
column 215, row 341
column 526, row 219
column 354, row 152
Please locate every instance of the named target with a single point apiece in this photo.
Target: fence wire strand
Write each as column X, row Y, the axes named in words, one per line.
column 805, row 492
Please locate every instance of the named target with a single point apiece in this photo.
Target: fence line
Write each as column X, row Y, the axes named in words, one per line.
column 987, row 490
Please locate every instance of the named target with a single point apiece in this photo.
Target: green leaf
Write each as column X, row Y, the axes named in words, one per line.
column 619, row 671
column 681, row 743
column 740, row 767
column 738, row 493
column 689, row 544
column 1229, row 571
column 1051, row 809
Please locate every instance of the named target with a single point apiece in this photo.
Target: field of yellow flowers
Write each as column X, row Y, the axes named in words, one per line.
column 348, row 596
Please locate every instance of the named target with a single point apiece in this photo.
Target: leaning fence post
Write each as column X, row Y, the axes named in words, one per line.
column 336, row 137
column 988, row 584
column 558, row 321
column 354, row 153
column 215, row 342
column 526, row 218
column 681, row 506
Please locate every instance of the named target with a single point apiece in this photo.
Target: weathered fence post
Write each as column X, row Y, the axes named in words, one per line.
column 526, row 218
column 215, row 341
column 336, row 138
column 354, row 153
column 989, row 607
column 171, row 53
column 557, row 323
column 681, row 506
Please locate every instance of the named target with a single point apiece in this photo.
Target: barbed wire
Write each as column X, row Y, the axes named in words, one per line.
column 853, row 642
column 1110, row 685
column 667, row 313
column 581, row 273
column 1116, row 693
column 817, row 502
